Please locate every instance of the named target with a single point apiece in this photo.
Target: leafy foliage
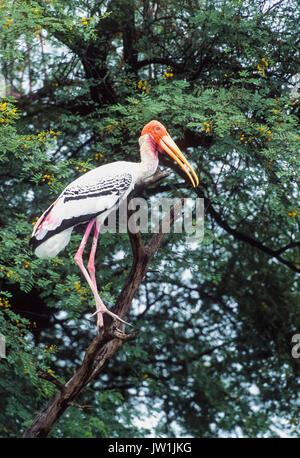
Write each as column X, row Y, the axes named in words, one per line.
column 216, row 319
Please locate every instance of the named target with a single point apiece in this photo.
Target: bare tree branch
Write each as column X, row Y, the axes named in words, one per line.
column 251, row 241
column 52, row 379
column 80, row 406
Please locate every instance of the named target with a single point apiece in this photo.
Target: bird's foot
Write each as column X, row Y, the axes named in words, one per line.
column 100, row 312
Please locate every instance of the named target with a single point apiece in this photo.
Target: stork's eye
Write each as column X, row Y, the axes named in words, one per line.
column 157, row 128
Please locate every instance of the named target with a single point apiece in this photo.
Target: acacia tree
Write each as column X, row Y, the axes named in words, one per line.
column 215, row 319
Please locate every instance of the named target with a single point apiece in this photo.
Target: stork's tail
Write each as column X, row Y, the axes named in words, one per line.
column 52, row 246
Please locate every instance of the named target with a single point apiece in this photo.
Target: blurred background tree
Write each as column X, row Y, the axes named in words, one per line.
column 80, row 78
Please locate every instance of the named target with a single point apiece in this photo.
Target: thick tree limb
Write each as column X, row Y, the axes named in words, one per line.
column 108, row 342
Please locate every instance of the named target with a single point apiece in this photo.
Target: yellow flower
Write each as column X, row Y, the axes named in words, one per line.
column 4, row 302
column 293, row 213
column 3, row 106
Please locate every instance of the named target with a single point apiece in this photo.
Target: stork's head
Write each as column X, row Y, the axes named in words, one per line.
column 164, row 142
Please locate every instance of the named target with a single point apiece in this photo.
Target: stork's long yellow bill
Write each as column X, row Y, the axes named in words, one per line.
column 168, row 145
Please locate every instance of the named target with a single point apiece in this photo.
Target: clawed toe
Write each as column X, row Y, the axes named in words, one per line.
column 113, row 315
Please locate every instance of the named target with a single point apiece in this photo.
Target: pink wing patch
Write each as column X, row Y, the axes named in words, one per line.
column 47, row 222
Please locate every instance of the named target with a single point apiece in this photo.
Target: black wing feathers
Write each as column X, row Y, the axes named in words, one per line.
column 64, row 213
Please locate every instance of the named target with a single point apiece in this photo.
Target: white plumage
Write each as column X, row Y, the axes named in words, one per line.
column 93, row 195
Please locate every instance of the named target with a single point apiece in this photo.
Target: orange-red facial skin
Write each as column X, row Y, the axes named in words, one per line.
column 156, row 129
column 161, row 141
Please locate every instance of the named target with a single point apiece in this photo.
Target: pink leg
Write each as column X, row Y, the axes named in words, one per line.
column 100, row 307
column 91, row 263
column 91, row 269
column 79, row 261
column 85, row 239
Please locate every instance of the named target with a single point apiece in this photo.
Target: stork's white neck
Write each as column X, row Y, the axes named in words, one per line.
column 149, row 159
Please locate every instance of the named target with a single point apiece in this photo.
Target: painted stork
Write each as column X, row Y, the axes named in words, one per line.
column 91, row 197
